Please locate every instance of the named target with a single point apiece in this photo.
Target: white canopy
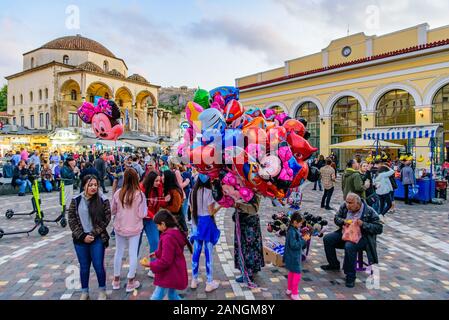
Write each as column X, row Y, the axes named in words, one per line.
column 402, row 132
column 366, row 144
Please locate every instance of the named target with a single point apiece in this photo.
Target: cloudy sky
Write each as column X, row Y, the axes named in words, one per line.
column 204, row 43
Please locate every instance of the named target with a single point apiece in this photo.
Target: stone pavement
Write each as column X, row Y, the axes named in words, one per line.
column 413, row 253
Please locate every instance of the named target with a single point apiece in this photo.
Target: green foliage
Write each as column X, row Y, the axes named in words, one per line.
column 3, row 98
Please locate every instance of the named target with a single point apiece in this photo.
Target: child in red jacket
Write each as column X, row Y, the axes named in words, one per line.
column 170, row 267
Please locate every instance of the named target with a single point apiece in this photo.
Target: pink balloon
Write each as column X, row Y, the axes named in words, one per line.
column 246, row 194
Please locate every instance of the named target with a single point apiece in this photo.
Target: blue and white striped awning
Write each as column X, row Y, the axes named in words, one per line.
column 402, row 132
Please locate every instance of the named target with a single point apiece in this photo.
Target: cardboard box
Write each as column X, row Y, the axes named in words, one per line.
column 272, row 257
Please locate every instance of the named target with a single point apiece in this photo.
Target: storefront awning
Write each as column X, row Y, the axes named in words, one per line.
column 365, row 144
column 142, row 144
column 402, row 132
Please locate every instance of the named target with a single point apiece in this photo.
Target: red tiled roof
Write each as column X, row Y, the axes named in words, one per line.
column 349, row 63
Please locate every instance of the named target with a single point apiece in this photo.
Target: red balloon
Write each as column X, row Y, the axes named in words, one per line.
column 207, row 161
column 301, row 175
column 300, row 146
column 295, row 126
column 232, row 111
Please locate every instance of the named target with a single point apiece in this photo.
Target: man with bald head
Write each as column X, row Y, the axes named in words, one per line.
column 353, row 210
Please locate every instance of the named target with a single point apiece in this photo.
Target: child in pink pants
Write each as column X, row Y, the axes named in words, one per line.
column 294, row 244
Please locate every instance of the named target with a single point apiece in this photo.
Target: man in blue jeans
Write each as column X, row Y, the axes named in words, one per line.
column 354, row 210
column 21, row 178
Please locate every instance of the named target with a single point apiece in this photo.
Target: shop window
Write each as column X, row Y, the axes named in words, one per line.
column 395, row 108
column 309, row 112
column 440, row 114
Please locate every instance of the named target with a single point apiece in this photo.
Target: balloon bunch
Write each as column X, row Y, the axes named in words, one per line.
column 279, row 224
column 247, row 151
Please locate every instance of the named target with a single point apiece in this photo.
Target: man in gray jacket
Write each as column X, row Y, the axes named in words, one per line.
column 408, row 179
column 100, row 166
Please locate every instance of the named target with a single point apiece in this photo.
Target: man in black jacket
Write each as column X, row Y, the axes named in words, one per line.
column 100, row 166
column 354, row 210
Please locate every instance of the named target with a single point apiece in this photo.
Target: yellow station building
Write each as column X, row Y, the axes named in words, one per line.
column 361, row 82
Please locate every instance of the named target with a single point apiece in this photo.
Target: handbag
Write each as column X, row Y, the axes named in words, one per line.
column 352, row 233
column 413, row 191
column 372, row 199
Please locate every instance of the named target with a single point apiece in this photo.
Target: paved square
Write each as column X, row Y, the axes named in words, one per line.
column 413, row 252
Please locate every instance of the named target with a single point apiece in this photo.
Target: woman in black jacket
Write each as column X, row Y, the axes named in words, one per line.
column 89, row 215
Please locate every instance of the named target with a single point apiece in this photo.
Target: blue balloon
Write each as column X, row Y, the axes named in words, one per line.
column 228, row 93
column 294, row 165
column 233, row 138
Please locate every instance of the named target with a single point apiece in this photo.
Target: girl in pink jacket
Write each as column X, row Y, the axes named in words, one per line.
column 129, row 207
column 170, row 267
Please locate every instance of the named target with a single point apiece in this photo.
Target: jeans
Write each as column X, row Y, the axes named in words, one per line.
column 150, row 229
column 319, row 184
column 185, row 208
column 91, row 253
column 102, row 184
column 326, row 200
column 384, row 203
column 332, row 241
column 160, row 293
column 120, row 245
column 293, row 282
column 209, row 255
column 23, row 184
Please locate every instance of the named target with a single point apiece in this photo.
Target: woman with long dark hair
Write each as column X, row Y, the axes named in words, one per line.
column 129, row 207
column 205, row 232
column 174, row 194
column 154, row 193
column 89, row 215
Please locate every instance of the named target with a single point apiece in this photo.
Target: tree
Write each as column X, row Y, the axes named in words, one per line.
column 3, row 98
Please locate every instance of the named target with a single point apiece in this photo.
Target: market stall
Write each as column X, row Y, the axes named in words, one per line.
column 424, row 181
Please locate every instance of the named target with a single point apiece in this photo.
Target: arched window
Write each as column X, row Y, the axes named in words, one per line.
column 440, row 114
column 395, row 108
column 31, row 96
column 136, row 123
column 346, row 125
column 106, row 66
column 21, row 99
column 46, row 93
column 278, row 109
column 13, row 100
column 73, row 95
column 309, row 112
column 14, row 121
column 32, row 63
column 32, row 121
column 47, row 120
column 65, row 59
column 40, row 94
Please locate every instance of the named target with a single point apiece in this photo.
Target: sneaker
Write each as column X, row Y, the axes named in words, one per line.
column 295, row 297
column 194, row 284
column 150, row 274
column 288, row 292
column 105, row 191
column 115, row 285
column 330, row 209
column 328, row 267
column 21, row 194
column 102, row 295
column 212, row 286
column 133, row 286
column 84, row 296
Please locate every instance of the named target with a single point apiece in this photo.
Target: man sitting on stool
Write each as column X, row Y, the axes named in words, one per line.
column 358, row 211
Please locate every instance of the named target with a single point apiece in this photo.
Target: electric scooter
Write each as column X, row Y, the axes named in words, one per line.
column 39, row 221
column 61, row 219
column 10, row 212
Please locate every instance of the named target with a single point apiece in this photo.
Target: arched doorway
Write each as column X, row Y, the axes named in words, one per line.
column 310, row 112
column 440, row 114
column 395, row 108
column 98, row 90
column 346, row 126
column 70, row 91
